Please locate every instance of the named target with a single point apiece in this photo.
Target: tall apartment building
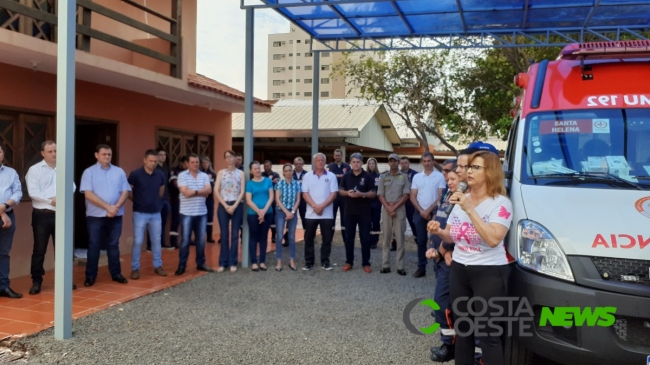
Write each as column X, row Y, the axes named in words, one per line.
column 290, row 68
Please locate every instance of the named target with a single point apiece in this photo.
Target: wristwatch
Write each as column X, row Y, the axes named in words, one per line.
column 196, row 192
column 7, row 206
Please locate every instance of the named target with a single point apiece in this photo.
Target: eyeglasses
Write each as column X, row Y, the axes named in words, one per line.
column 474, row 167
column 463, row 167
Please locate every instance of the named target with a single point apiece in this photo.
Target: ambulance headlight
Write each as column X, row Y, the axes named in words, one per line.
column 538, row 250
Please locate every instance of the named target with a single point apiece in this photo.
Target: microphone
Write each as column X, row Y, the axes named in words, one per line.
column 462, row 187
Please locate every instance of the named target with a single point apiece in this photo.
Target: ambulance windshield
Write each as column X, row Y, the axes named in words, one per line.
column 603, row 147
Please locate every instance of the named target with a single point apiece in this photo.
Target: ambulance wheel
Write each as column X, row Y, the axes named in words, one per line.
column 516, row 353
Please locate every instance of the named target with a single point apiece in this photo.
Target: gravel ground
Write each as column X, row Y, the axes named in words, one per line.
column 317, row 317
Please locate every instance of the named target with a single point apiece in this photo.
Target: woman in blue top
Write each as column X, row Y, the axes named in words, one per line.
column 375, row 205
column 259, row 197
column 287, row 197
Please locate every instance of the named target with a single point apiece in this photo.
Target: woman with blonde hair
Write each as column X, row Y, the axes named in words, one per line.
column 477, row 227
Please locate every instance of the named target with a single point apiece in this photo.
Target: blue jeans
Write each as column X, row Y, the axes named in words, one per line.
column 6, row 239
column 280, row 219
column 189, row 224
column 142, row 221
column 421, row 237
column 258, row 232
column 164, row 214
column 104, row 232
column 230, row 234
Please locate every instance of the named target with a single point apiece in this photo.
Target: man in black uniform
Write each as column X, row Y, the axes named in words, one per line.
column 239, row 161
column 357, row 188
column 339, row 168
column 275, row 178
column 405, row 167
column 175, row 202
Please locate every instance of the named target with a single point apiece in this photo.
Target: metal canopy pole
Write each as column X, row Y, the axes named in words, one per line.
column 248, row 120
column 315, row 97
column 65, row 116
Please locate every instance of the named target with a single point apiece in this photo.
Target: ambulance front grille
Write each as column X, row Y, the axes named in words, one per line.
column 623, row 270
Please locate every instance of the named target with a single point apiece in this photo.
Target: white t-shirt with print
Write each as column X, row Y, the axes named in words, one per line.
column 470, row 248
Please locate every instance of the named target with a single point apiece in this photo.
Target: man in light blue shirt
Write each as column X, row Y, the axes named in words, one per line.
column 10, row 195
column 106, row 189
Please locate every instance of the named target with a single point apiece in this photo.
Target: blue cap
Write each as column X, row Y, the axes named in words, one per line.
column 480, row 145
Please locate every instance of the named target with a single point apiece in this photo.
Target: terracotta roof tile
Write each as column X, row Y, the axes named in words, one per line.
column 207, row 83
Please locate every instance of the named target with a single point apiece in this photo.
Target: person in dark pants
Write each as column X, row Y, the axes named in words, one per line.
column 194, row 187
column 10, row 195
column 405, row 167
column 357, row 188
column 275, row 178
column 229, row 193
column 147, row 188
column 174, row 201
column 166, row 206
column 441, row 265
column 259, row 197
column 426, row 191
column 106, row 189
column 298, row 174
column 319, row 189
column 375, row 205
column 206, row 167
column 41, row 186
column 477, row 227
column 338, row 168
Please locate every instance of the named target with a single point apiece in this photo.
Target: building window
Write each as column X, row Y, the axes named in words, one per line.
column 325, row 67
column 181, row 143
column 277, row 82
column 307, row 41
column 290, row 54
column 298, row 54
column 325, row 54
column 277, row 44
column 290, row 67
column 291, row 42
column 325, row 80
column 297, row 80
column 297, row 67
column 277, row 95
column 21, row 135
column 277, row 69
column 290, row 80
column 290, row 94
column 307, row 81
column 325, row 94
column 278, row 56
column 309, row 54
column 298, row 41
column 308, row 93
column 308, row 68
column 298, row 93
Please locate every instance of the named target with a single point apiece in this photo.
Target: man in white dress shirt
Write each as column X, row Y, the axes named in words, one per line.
column 41, row 187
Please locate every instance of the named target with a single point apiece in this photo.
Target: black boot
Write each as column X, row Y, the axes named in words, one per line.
column 445, row 353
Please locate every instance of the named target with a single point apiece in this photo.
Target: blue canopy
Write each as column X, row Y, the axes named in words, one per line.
column 328, row 20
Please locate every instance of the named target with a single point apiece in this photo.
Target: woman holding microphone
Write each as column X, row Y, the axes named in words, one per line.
column 477, row 226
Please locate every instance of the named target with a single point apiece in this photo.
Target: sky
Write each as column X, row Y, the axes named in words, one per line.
column 221, row 31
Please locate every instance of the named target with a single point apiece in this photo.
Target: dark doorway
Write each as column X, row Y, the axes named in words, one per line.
column 88, row 134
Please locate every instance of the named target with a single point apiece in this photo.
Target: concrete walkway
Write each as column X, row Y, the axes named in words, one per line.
column 317, row 317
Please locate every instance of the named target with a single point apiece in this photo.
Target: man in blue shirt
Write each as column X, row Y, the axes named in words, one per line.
column 10, row 194
column 194, row 187
column 106, row 190
column 339, row 168
column 148, row 184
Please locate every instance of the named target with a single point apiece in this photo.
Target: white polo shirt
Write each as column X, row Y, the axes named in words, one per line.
column 427, row 187
column 319, row 189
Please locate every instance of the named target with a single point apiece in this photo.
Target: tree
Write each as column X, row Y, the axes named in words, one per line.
column 413, row 85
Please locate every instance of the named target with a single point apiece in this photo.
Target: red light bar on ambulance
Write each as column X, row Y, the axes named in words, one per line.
column 602, row 50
